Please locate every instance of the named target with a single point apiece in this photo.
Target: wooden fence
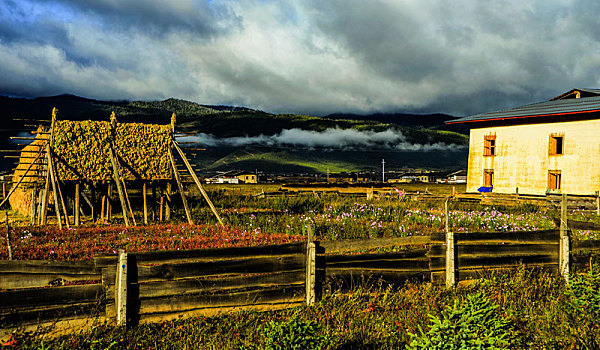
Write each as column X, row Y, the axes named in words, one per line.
column 150, row 286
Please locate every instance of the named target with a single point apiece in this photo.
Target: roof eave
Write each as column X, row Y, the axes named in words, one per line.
column 521, row 117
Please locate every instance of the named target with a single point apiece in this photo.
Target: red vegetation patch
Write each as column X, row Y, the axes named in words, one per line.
column 50, row 243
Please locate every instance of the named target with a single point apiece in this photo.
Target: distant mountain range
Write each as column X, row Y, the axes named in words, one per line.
column 243, row 138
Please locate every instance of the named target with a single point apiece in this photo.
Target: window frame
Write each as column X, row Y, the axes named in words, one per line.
column 488, row 174
column 553, row 143
column 489, row 145
column 554, row 178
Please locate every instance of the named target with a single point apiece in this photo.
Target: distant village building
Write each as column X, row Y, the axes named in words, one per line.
column 552, row 146
column 344, row 177
column 234, row 177
column 456, row 177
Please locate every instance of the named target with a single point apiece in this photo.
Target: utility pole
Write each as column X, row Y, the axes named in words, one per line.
column 383, row 170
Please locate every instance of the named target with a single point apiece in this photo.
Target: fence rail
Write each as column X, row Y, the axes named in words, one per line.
column 167, row 284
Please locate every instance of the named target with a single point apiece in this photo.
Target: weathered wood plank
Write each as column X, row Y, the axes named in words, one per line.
column 389, row 264
column 194, row 301
column 374, row 274
column 583, row 245
column 490, row 250
column 582, row 260
column 407, row 254
column 223, row 284
column 542, row 236
column 438, row 277
column 48, row 267
column 578, row 225
column 56, row 312
column 232, row 266
column 22, row 280
column 498, row 261
column 50, row 296
column 222, row 310
column 102, row 260
column 372, row 243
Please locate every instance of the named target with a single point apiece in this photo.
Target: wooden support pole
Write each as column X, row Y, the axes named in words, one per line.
column 93, row 202
column 55, row 180
column 180, row 187
column 102, row 208
column 446, row 216
column 145, row 199
column 8, row 238
column 598, row 202
column 565, row 241
column 54, row 191
column 44, row 211
column 40, row 203
column 162, row 202
column 76, row 205
column 197, row 181
column 129, row 204
column 33, row 207
column 89, row 202
column 168, row 204
column 3, row 189
column 450, row 256
column 121, row 288
column 117, row 180
column 310, row 267
column 109, row 197
column 153, row 203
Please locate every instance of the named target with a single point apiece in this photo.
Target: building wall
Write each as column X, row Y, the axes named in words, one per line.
column 249, row 179
column 522, row 158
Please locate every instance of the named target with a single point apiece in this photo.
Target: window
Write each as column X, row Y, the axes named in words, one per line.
column 488, row 178
column 489, row 145
column 556, row 144
column 554, row 179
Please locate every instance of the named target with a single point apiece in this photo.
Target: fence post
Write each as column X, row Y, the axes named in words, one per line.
column 450, row 263
column 121, row 288
column 564, row 251
column 310, row 267
column 8, row 238
column 598, row 202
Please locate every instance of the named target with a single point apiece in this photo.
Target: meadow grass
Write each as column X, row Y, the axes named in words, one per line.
column 535, row 310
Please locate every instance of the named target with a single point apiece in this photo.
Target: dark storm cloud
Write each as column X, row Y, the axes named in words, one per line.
column 158, row 17
column 312, row 56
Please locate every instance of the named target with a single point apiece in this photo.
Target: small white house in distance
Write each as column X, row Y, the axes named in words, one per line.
column 233, row 177
column 457, row 177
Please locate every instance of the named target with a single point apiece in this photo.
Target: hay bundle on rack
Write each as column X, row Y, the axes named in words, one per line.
column 20, row 200
column 81, row 150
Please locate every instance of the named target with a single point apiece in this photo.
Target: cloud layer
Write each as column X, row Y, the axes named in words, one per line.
column 318, row 57
column 346, row 139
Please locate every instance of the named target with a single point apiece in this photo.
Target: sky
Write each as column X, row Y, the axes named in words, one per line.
column 316, row 57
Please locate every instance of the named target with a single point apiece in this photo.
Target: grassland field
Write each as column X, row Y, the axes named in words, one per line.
column 522, row 309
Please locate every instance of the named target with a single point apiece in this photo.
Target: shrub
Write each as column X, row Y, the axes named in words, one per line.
column 475, row 324
column 583, row 307
column 294, row 333
column 585, row 292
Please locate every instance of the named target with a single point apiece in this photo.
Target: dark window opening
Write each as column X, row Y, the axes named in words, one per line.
column 556, row 145
column 489, row 145
column 554, row 178
column 488, row 178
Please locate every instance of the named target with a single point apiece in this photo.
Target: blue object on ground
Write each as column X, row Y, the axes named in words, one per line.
column 485, row 189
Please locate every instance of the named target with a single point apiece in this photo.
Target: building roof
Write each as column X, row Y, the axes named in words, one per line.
column 232, row 173
column 575, row 101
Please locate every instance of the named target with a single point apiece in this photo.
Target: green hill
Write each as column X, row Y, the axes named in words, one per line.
column 225, row 123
